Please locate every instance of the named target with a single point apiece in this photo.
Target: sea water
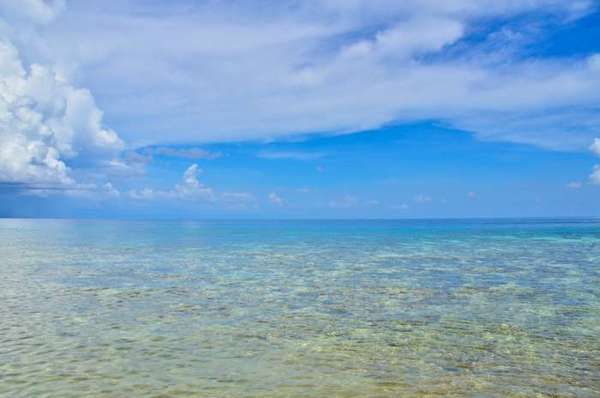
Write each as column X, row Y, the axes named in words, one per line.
column 454, row 308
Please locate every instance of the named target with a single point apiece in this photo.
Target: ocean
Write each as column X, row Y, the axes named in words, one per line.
column 411, row 308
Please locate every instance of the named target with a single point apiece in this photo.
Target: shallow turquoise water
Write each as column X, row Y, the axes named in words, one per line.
column 300, row 308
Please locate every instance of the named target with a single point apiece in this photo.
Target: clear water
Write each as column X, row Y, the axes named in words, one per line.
column 300, row 309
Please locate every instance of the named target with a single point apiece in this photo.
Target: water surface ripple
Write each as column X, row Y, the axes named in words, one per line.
column 506, row 308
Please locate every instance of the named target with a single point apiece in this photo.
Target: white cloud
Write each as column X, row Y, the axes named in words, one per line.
column 275, row 199
column 190, row 188
column 595, row 147
column 186, row 153
column 324, row 66
column 87, row 191
column 295, row 155
column 130, row 167
column 574, row 185
column 111, row 191
column 31, row 11
column 45, row 121
column 408, row 39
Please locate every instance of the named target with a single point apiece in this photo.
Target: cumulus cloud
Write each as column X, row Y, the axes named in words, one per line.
column 45, row 121
column 190, row 188
column 329, row 66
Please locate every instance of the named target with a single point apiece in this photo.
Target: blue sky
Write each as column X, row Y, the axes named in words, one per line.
column 318, row 108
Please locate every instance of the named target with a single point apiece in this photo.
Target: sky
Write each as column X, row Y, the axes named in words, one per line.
column 299, row 109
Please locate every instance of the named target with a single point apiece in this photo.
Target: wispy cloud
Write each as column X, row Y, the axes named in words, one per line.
column 322, row 66
column 178, row 152
column 294, row 155
column 275, row 199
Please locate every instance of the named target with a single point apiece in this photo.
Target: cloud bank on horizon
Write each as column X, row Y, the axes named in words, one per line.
column 86, row 84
